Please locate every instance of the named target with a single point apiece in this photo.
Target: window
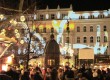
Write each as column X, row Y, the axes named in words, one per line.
column 84, row 39
column 80, row 17
column 91, row 40
column 84, row 28
column 52, row 30
column 98, row 39
column 63, row 16
column 105, row 28
column 44, row 30
column 78, row 39
column 52, row 16
column 37, row 30
column 91, row 28
column 105, row 38
column 51, row 62
column 41, row 17
column 78, row 29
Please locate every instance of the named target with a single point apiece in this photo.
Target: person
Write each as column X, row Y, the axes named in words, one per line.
column 70, row 74
column 48, row 74
column 60, row 74
column 66, row 69
column 5, row 77
column 24, row 75
column 107, row 77
column 13, row 74
column 95, row 74
column 54, row 74
column 37, row 75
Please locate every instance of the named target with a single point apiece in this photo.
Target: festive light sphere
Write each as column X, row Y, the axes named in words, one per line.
column 22, row 41
column 22, row 18
column 17, row 35
column 3, row 30
column 14, row 22
column 1, row 16
column 16, row 31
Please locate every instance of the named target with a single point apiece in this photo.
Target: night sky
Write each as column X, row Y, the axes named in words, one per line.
column 78, row 5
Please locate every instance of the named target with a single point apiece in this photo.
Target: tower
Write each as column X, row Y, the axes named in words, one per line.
column 52, row 53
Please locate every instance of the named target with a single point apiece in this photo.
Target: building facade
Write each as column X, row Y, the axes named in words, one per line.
column 88, row 29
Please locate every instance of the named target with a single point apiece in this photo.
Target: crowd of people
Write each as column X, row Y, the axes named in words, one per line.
column 52, row 73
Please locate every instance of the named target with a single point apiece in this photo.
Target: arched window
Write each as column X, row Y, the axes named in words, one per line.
column 84, row 39
column 52, row 30
column 104, row 28
column 91, row 39
column 78, row 29
column 84, row 28
column 91, row 28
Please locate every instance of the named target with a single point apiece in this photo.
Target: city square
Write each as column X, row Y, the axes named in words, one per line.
column 41, row 42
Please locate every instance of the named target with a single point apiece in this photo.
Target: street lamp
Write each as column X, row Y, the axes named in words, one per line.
column 67, row 56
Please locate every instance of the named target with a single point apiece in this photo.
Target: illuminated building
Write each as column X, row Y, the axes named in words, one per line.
column 88, row 29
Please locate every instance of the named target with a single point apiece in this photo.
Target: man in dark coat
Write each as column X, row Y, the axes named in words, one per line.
column 13, row 74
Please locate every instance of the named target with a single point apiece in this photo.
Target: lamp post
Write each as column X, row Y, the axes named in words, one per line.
column 67, row 53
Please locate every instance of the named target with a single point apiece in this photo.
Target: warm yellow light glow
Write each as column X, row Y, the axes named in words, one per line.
column 41, row 26
column 58, row 15
column 22, row 18
column 16, row 31
column 22, row 41
column 47, row 16
column 1, row 16
column 4, row 67
column 11, row 21
column 71, row 26
column 9, row 60
column 14, row 22
column 17, row 35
